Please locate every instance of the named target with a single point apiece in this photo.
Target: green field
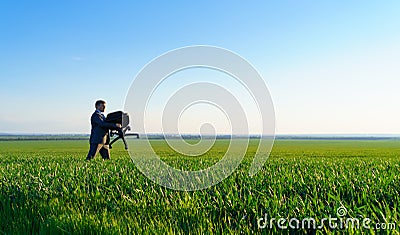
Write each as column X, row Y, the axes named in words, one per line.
column 47, row 187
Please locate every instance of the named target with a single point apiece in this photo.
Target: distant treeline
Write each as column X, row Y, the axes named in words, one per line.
column 339, row 137
column 43, row 137
column 9, row 137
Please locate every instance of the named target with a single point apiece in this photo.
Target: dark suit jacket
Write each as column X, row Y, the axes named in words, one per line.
column 100, row 129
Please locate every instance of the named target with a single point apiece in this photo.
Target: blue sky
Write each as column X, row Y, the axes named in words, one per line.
column 331, row 66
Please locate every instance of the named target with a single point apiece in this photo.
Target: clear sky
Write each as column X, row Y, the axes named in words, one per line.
column 331, row 66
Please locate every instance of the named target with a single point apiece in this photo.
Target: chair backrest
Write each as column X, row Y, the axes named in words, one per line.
column 118, row 117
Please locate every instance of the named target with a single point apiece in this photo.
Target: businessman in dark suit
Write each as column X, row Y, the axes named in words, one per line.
column 99, row 136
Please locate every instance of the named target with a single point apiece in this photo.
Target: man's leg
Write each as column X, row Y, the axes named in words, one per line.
column 105, row 152
column 94, row 149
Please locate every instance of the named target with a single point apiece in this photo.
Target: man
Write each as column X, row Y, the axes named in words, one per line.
column 99, row 136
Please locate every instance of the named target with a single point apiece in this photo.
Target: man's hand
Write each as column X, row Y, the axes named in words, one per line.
column 119, row 125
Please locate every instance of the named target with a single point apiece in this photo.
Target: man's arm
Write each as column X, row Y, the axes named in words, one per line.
column 99, row 121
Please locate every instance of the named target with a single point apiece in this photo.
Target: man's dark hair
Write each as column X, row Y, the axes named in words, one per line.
column 99, row 102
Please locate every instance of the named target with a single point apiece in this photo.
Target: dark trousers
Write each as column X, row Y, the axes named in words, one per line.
column 103, row 149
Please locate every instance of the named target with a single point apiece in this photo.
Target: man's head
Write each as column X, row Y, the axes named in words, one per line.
column 100, row 105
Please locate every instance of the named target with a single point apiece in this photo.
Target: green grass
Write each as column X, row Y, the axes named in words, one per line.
column 46, row 187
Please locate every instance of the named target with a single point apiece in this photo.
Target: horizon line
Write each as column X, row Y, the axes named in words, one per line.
column 193, row 134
